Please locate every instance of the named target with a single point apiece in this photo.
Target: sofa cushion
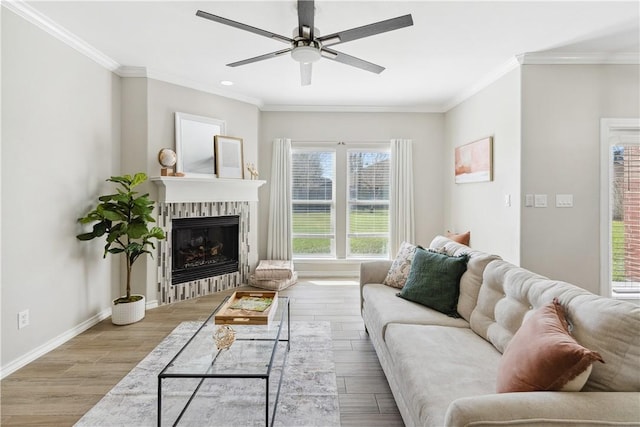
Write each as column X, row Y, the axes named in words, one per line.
column 401, row 266
column 434, row 280
column 604, row 325
column 436, row 365
column 543, row 356
column 472, row 278
column 383, row 307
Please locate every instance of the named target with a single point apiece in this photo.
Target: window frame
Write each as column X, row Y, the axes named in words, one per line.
column 612, row 132
column 340, row 195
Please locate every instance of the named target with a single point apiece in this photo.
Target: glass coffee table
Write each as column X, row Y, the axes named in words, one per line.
column 259, row 353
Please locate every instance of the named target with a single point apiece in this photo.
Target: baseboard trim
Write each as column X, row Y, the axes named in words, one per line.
column 325, row 273
column 40, row 351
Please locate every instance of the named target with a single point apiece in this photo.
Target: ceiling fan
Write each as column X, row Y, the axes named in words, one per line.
column 306, row 47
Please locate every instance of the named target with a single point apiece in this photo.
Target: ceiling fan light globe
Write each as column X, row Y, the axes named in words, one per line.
column 306, row 54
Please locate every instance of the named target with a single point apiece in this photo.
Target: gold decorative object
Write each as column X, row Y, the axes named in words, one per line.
column 251, row 167
column 224, row 336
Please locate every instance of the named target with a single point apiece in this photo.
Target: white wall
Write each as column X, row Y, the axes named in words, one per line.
column 425, row 129
column 60, row 140
column 480, row 207
column 561, row 110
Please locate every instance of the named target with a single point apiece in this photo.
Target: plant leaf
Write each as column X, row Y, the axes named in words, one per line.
column 137, row 230
column 107, row 197
column 157, row 233
column 99, row 229
column 85, row 236
column 118, row 230
column 110, row 211
column 138, row 178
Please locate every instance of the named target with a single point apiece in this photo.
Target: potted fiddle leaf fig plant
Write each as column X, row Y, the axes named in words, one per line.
column 122, row 219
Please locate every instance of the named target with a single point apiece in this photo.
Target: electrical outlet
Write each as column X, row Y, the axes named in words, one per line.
column 23, row 319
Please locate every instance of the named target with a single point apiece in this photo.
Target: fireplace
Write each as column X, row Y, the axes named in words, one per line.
column 204, row 247
column 198, row 198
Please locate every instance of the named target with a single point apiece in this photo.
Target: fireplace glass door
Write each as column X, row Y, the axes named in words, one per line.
column 204, row 247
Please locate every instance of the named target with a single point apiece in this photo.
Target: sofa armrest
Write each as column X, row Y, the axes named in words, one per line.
column 540, row 408
column 373, row 272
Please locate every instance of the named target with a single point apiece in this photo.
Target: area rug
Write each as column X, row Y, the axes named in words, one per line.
column 308, row 396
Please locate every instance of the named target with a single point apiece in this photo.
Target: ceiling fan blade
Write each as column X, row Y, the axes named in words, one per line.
column 305, row 18
column 259, row 58
column 305, row 73
column 351, row 60
column 367, row 30
column 242, row 26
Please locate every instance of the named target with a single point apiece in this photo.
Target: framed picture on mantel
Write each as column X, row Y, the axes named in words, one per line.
column 229, row 158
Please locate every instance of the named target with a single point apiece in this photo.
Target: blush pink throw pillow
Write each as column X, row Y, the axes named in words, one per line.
column 542, row 355
column 462, row 238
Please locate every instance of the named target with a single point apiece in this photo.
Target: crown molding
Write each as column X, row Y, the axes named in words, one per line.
column 352, row 108
column 129, row 71
column 202, row 87
column 577, row 58
column 481, row 84
column 543, row 58
column 30, row 14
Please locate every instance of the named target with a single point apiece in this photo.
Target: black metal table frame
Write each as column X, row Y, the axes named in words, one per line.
column 163, row 375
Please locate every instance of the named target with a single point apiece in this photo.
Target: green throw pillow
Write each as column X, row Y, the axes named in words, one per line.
column 434, row 280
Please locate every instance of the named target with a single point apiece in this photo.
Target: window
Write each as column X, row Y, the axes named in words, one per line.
column 625, row 218
column 368, row 204
column 340, row 200
column 313, row 176
column 621, row 259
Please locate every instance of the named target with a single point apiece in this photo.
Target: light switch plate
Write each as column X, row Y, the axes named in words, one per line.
column 540, row 200
column 564, row 200
column 528, row 200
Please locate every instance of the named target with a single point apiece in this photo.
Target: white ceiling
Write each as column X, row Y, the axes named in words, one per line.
column 451, row 47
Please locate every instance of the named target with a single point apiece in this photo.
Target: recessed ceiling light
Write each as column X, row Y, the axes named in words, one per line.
column 226, row 83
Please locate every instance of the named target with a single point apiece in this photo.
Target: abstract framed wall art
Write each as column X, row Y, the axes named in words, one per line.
column 474, row 161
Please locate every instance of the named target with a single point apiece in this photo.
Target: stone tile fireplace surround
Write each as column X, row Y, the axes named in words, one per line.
column 191, row 197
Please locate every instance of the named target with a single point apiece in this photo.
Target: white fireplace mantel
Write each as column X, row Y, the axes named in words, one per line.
column 188, row 189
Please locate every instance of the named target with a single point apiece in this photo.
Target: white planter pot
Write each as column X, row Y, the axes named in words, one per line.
column 129, row 312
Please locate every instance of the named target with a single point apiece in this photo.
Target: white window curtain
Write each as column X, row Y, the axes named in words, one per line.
column 401, row 216
column 279, row 232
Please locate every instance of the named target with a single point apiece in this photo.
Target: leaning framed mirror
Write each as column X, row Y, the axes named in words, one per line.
column 195, row 144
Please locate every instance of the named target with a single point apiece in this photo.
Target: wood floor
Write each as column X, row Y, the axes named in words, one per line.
column 58, row 388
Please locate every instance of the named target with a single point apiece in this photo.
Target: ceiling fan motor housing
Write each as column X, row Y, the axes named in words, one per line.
column 306, row 51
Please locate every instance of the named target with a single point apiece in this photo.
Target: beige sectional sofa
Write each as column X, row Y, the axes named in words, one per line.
column 442, row 370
